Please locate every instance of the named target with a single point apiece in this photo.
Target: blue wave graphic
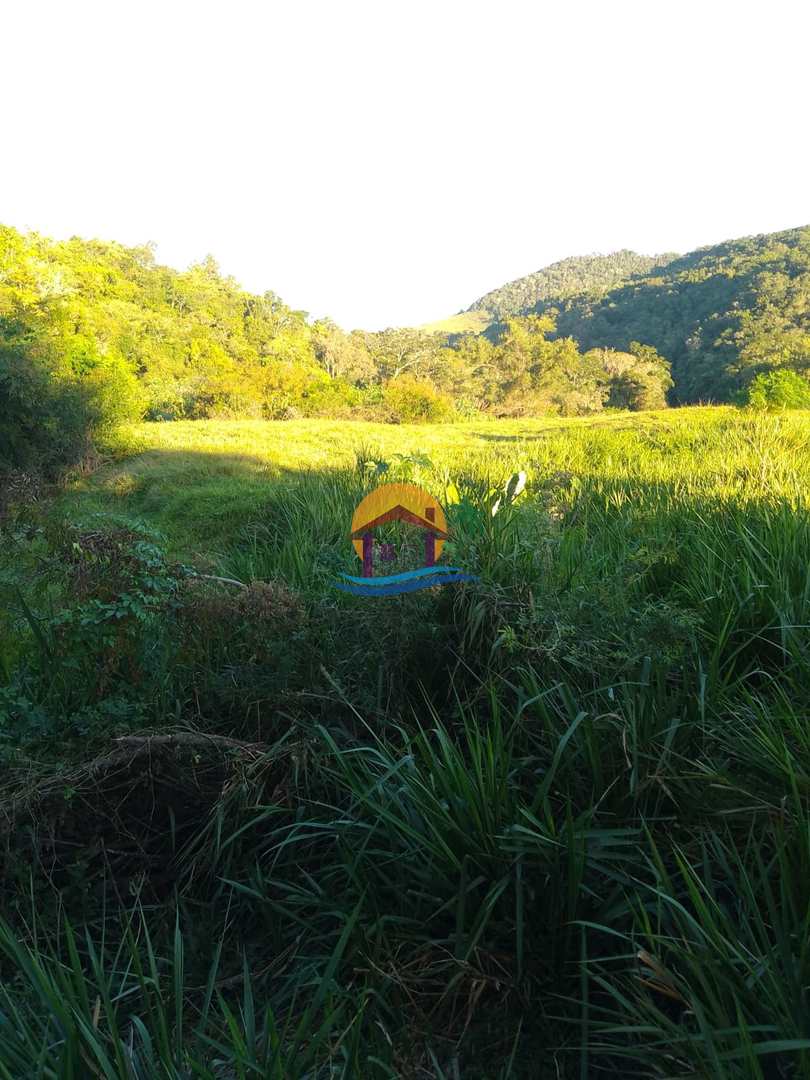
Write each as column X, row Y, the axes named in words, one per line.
column 402, row 583
column 423, row 571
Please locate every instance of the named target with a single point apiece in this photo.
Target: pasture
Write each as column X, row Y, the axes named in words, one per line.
column 554, row 822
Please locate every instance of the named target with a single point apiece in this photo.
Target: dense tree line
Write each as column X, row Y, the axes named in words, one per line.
column 94, row 333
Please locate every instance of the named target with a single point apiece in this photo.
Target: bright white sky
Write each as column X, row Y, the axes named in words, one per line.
column 387, row 163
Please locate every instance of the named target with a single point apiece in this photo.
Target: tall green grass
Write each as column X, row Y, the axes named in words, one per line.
column 552, row 823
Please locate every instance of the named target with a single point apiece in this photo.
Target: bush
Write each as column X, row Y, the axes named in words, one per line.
column 467, row 408
column 779, row 389
column 49, row 418
column 93, row 663
column 412, row 400
column 329, row 397
column 286, row 389
column 44, row 422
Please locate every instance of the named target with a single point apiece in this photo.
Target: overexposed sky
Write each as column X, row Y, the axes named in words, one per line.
column 388, row 162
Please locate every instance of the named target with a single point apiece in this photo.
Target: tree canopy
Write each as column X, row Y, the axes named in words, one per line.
column 591, row 274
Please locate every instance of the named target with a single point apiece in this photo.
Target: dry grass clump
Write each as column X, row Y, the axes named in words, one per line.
column 121, row 817
column 208, row 605
column 18, row 489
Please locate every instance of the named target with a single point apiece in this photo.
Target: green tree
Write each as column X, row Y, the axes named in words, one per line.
column 779, row 389
column 341, row 355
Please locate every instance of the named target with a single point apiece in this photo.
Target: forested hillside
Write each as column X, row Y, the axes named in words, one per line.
column 721, row 315
column 591, row 274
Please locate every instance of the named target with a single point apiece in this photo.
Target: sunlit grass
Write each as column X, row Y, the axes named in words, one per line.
column 196, row 480
column 465, row 322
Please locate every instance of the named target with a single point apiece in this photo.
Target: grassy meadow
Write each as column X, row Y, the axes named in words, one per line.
column 551, row 823
column 200, row 480
column 464, row 322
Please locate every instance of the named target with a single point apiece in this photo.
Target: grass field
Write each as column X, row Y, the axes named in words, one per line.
column 552, row 823
column 465, row 322
column 201, row 480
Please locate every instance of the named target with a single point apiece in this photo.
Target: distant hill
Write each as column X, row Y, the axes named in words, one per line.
column 719, row 314
column 592, row 274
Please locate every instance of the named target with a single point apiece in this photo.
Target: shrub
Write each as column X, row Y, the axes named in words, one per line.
column 415, row 400
column 49, row 417
column 287, row 387
column 44, row 422
column 779, row 389
column 329, row 397
column 19, row 490
column 239, row 644
column 262, row 610
column 467, row 408
column 98, row 659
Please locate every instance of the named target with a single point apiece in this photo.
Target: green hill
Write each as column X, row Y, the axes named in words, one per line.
column 720, row 314
column 592, row 274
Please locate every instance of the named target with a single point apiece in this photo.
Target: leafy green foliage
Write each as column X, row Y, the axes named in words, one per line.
column 416, row 400
column 95, row 333
column 44, row 422
column 780, row 389
column 96, row 657
column 720, row 315
column 528, row 371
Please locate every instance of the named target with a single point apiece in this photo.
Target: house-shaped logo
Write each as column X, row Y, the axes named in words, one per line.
column 415, row 506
